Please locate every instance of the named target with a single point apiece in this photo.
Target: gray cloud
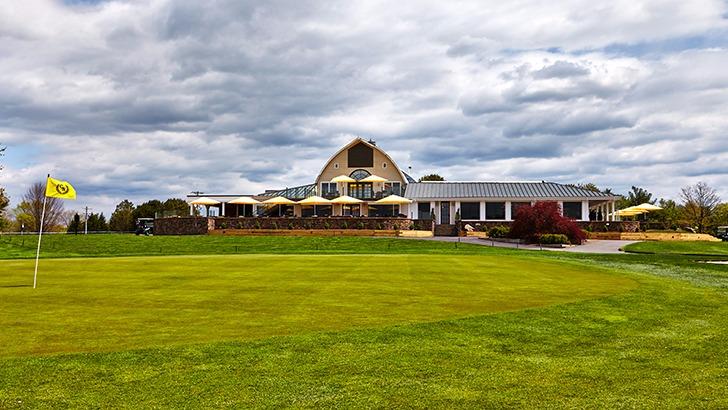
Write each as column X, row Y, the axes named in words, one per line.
column 153, row 99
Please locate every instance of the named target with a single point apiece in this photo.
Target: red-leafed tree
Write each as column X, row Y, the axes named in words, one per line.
column 544, row 218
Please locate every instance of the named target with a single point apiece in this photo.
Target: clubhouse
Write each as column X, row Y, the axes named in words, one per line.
column 362, row 180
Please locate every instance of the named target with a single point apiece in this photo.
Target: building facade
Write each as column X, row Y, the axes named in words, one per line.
column 363, row 171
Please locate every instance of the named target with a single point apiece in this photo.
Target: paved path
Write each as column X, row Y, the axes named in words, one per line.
column 591, row 246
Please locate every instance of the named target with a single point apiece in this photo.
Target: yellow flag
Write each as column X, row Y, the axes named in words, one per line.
column 59, row 189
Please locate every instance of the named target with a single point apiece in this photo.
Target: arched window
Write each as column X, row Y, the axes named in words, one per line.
column 359, row 174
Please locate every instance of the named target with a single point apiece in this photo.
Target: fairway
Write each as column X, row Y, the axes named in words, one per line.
column 112, row 304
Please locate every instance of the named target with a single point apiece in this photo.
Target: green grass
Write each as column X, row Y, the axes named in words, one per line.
column 414, row 324
column 14, row 246
column 128, row 303
column 680, row 247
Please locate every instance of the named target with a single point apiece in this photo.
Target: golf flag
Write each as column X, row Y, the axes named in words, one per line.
column 59, row 189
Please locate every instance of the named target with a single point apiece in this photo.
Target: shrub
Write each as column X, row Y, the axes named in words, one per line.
column 499, row 231
column 553, row 238
column 275, row 225
column 345, row 225
column 223, row 225
column 327, row 225
column 532, row 222
column 360, row 225
column 257, row 224
column 290, row 225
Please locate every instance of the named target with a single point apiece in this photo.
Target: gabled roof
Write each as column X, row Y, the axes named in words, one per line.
column 515, row 190
column 359, row 140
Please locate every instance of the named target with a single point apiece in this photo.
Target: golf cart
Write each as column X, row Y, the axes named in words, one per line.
column 722, row 233
column 144, row 226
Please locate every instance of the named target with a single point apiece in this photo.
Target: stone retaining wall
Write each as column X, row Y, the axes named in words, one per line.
column 191, row 225
column 593, row 226
column 202, row 225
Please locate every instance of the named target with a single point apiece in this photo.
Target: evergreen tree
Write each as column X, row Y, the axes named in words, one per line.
column 122, row 220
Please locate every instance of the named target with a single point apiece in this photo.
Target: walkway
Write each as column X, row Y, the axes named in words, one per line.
column 591, row 246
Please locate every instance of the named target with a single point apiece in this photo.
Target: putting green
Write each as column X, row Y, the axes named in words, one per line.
column 112, row 304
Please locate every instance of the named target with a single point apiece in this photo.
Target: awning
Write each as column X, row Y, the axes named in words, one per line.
column 393, row 200
column 346, row 200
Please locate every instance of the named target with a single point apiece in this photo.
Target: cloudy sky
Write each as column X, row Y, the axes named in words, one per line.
column 152, row 99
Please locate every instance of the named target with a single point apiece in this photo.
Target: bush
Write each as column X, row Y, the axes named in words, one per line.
column 532, row 222
column 553, row 239
column 499, row 231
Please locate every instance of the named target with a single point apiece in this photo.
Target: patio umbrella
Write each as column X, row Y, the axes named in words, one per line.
column 393, row 200
column 244, row 200
column 206, row 202
column 346, row 200
column 314, row 200
column 279, row 200
column 647, row 207
column 374, row 178
column 343, row 178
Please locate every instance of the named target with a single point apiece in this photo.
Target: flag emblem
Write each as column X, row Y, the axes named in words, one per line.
column 59, row 189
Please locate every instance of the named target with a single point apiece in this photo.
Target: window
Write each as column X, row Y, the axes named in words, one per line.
column 572, row 210
column 361, row 155
column 328, row 188
column 336, row 165
column 392, row 188
column 495, row 210
column 359, row 174
column 361, row 190
column 384, row 165
column 470, row 210
column 515, row 206
column 423, row 210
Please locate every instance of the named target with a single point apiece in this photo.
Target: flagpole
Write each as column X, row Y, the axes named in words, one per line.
column 40, row 234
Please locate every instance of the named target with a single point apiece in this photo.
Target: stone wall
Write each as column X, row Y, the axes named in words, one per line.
column 190, row 225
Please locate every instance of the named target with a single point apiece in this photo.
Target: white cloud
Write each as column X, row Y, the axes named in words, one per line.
column 154, row 99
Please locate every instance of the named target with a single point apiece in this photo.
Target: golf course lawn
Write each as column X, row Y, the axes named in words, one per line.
column 680, row 247
column 127, row 303
column 413, row 324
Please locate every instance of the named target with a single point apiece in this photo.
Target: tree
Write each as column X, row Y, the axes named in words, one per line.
column 670, row 215
column 431, row 177
column 149, row 209
column 54, row 212
column 122, row 220
column 720, row 216
column 589, row 186
column 176, row 206
column 637, row 196
column 75, row 224
column 544, row 218
column 699, row 203
column 97, row 223
column 4, row 200
column 23, row 217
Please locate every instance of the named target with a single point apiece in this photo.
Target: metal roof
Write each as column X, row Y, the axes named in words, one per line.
column 298, row 192
column 546, row 190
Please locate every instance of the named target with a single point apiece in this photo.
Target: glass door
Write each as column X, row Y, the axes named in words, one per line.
column 444, row 212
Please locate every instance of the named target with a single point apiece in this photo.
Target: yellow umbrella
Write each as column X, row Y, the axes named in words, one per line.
column 279, row 200
column 343, row 178
column 374, row 178
column 244, row 200
column 206, row 202
column 393, row 200
column 346, row 200
column 647, row 207
column 314, row 200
